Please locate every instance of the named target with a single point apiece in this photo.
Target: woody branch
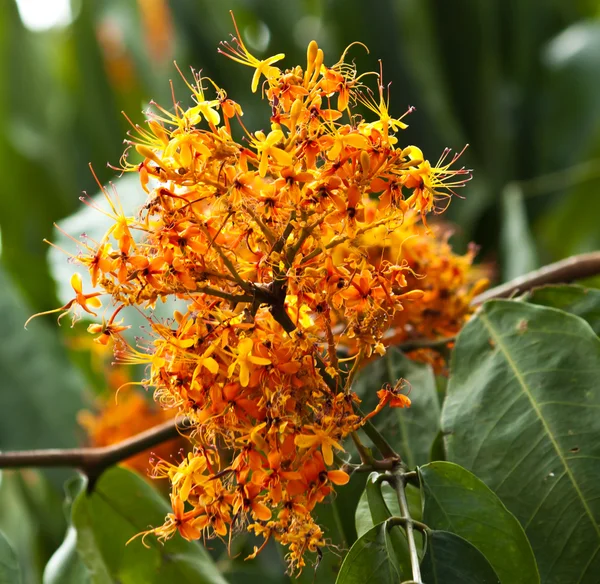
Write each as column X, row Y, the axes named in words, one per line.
column 93, row 461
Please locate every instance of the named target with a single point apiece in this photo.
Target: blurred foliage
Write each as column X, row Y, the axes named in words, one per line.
column 516, row 80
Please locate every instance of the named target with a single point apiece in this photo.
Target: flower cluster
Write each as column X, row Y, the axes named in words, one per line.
column 449, row 283
column 280, row 248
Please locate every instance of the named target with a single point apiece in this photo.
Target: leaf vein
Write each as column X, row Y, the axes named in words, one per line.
column 518, row 376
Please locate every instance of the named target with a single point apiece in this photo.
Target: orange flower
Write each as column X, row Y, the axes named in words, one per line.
column 278, row 251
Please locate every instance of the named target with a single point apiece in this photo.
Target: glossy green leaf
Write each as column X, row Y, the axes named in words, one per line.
column 364, row 519
column 10, row 572
column 378, row 503
column 371, row 560
column 380, row 512
column 66, row 566
column 450, row 559
column 410, row 431
column 583, row 302
column 121, row 506
column 455, row 500
column 522, row 414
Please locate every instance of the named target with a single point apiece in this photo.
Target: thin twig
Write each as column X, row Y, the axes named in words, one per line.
column 366, row 458
column 92, row 461
column 377, row 437
column 573, row 268
column 228, row 263
column 385, row 465
column 235, row 298
column 404, row 522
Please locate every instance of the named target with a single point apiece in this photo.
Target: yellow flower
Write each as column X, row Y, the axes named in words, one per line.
column 319, row 438
column 266, row 146
column 244, row 360
column 240, row 54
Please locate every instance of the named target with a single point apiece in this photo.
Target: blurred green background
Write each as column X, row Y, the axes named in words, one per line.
column 519, row 81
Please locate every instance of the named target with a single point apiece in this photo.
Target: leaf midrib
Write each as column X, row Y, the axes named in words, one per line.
column 512, row 364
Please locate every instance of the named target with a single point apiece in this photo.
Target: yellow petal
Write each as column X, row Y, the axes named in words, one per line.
column 94, row 302
column 327, row 453
column 281, row 156
column 259, row 360
column 211, row 365
column 356, row 140
column 244, row 375
column 77, row 283
column 255, row 80
column 185, row 488
column 304, row 441
column 263, row 165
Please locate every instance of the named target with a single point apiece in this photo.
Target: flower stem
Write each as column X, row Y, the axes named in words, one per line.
column 398, row 482
column 365, row 455
column 377, row 438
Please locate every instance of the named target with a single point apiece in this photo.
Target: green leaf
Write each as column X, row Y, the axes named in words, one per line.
column 522, row 414
column 371, row 559
column 378, row 503
column 438, row 448
column 411, row 432
column 10, row 572
column 66, row 566
column 121, row 506
column 577, row 300
column 32, row 536
column 380, row 512
column 364, row 519
column 456, row 500
column 450, row 559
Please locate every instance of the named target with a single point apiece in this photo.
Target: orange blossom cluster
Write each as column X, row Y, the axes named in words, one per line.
column 265, row 244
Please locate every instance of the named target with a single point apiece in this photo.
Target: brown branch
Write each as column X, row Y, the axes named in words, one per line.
column 93, row 461
column 573, row 268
